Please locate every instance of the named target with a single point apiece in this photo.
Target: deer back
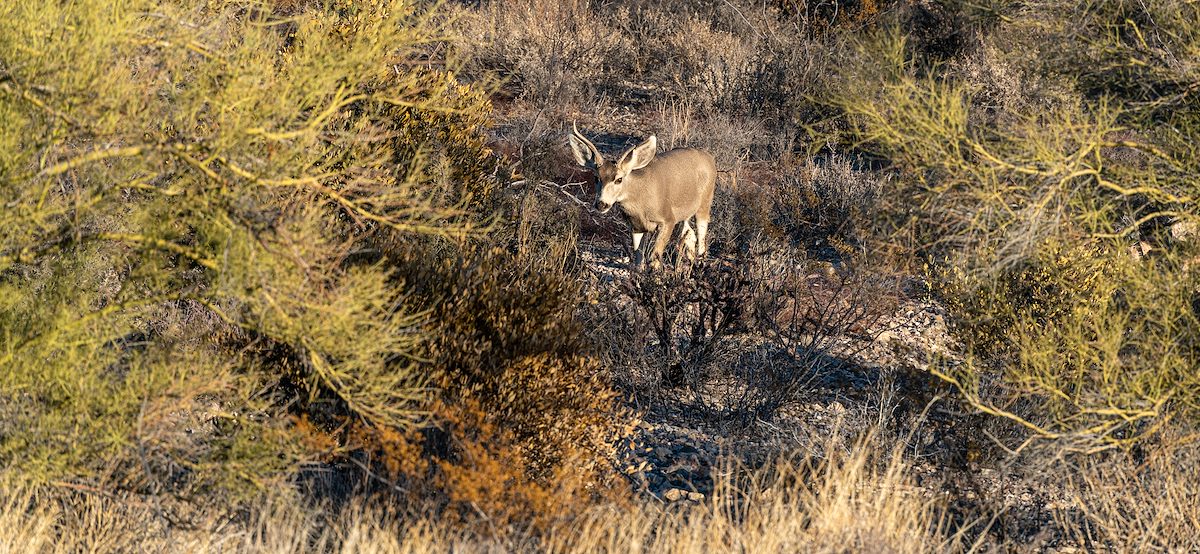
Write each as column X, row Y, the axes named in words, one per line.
column 675, row 186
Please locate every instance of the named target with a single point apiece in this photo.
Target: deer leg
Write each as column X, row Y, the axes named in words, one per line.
column 635, row 259
column 701, row 236
column 660, row 245
column 687, row 242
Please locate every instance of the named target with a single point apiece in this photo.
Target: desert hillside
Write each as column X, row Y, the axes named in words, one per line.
column 339, row 276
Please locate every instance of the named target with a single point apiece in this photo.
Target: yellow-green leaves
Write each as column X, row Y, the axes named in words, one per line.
column 195, row 199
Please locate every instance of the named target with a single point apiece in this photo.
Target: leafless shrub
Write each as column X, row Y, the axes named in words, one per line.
column 815, row 321
column 828, row 202
column 552, row 50
column 690, row 314
column 746, row 337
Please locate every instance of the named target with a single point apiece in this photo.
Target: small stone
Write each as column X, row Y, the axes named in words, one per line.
column 886, row 337
column 673, row 495
column 1183, row 230
column 662, row 452
column 695, row 496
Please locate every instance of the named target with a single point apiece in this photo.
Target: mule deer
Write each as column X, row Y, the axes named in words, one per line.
column 656, row 192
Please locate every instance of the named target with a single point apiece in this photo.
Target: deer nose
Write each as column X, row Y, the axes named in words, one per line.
column 602, row 206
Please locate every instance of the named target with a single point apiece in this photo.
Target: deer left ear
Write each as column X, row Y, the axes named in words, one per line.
column 639, row 156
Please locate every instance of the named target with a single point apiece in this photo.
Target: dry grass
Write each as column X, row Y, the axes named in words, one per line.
column 849, row 499
column 845, row 503
column 1138, row 503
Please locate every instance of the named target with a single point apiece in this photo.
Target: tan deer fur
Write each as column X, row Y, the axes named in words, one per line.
column 655, row 191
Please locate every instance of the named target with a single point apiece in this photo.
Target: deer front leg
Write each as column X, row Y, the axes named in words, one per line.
column 660, row 245
column 635, row 257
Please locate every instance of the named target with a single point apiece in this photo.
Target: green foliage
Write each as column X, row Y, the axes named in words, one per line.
column 190, row 194
column 1027, row 212
column 1040, row 291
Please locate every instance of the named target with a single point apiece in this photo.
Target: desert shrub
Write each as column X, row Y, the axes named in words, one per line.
column 742, row 218
column 525, row 425
column 827, row 207
column 214, row 160
column 827, row 202
column 1032, row 210
column 815, row 320
column 509, row 338
column 473, row 471
column 549, row 50
column 1040, row 291
column 708, row 67
column 691, row 313
column 1110, row 355
column 1142, row 53
column 820, row 18
column 741, row 338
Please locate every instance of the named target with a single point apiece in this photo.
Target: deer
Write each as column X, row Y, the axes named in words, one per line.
column 655, row 191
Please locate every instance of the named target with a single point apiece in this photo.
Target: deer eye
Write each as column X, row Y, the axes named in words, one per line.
column 619, row 179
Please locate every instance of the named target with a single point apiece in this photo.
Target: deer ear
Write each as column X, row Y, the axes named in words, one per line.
column 585, row 152
column 639, row 156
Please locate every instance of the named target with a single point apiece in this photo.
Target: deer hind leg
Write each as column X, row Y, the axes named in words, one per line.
column 687, row 242
column 701, row 245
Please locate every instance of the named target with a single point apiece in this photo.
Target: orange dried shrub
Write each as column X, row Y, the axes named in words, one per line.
column 506, row 338
column 397, row 451
column 525, row 425
column 477, row 472
column 314, row 440
column 485, row 475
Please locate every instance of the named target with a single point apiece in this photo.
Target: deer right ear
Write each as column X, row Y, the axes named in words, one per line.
column 585, row 152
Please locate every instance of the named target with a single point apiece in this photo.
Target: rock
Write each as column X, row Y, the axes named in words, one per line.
column 1184, row 230
column 886, row 337
column 662, row 453
column 695, row 496
column 1139, row 250
column 674, row 495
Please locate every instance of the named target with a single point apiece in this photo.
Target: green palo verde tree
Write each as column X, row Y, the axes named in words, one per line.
column 194, row 198
column 1027, row 211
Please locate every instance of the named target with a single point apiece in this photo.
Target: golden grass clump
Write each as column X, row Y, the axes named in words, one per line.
column 849, row 500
